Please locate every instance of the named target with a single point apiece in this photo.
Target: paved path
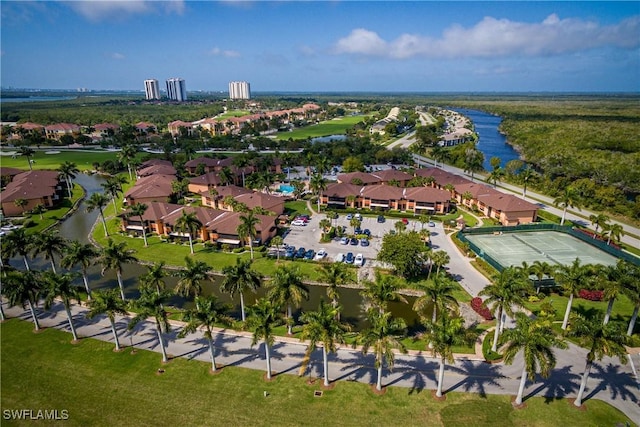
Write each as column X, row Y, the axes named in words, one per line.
column 609, row 381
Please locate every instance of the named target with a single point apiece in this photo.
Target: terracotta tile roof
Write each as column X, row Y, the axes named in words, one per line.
column 209, row 162
column 5, row 171
column 105, row 126
column 63, row 127
column 211, row 178
column 392, row 174
column 252, row 200
column 366, row 178
column 382, row 192
column 426, row 194
column 442, row 177
column 29, row 126
column 31, row 185
column 507, row 203
column 157, row 170
column 151, row 186
column 342, row 190
column 152, row 162
column 229, row 190
column 228, row 222
column 476, row 189
column 145, row 126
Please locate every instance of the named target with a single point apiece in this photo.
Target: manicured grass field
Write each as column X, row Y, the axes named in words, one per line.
column 336, row 126
column 233, row 113
column 83, row 159
column 99, row 387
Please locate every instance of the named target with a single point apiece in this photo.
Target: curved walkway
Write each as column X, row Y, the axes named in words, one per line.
column 609, row 381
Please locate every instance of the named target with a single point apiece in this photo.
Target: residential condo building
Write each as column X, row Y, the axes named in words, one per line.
column 176, row 89
column 239, row 90
column 151, row 89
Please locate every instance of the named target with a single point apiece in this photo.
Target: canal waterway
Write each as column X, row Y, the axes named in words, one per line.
column 491, row 142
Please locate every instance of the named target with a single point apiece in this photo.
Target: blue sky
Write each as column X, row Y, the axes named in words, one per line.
column 323, row 46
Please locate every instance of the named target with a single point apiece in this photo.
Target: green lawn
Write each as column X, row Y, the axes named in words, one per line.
column 99, row 387
column 233, row 113
column 337, row 126
column 83, row 159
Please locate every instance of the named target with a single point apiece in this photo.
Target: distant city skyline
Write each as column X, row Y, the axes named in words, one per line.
column 384, row 46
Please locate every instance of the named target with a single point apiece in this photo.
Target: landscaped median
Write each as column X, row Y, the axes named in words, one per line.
column 121, row 388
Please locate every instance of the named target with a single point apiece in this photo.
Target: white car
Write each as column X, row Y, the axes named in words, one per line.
column 359, row 261
column 321, row 254
column 298, row 222
column 339, row 258
column 358, row 217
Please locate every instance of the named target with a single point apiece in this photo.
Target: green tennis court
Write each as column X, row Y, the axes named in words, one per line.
column 549, row 246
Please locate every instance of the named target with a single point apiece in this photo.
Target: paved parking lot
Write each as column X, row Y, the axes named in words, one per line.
column 309, row 236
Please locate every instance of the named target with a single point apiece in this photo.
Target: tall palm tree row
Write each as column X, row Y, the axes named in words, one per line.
column 60, row 286
column 83, row 255
column 247, row 228
column 439, row 292
column 113, row 257
column 51, row 244
column 108, row 302
column 190, row 279
column 334, row 274
column 383, row 290
column 568, row 198
column 571, row 279
column 150, row 304
column 113, row 186
column 98, row 201
column 264, row 316
column 17, row 243
column 68, row 171
column 286, row 290
column 138, row 210
column 23, row 288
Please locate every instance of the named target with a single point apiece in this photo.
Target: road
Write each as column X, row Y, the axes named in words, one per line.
column 609, row 381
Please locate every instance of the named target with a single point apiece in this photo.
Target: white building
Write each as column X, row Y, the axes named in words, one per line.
column 176, row 89
column 151, row 89
column 239, row 90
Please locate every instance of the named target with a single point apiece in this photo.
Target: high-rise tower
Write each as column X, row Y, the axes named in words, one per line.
column 239, row 90
column 151, row 89
column 176, row 89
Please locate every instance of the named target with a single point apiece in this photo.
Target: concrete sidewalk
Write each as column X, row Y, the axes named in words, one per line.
column 609, row 381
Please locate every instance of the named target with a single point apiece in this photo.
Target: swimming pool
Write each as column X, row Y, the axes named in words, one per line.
column 286, row 189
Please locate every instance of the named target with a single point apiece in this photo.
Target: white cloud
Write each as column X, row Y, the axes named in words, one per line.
column 216, row 51
column 97, row 10
column 493, row 37
column 116, row 55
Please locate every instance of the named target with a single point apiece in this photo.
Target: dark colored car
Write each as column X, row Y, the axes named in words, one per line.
column 309, row 254
column 381, row 219
column 353, row 241
column 357, row 230
column 367, row 232
column 349, row 258
column 300, row 252
column 364, row 242
column 290, row 252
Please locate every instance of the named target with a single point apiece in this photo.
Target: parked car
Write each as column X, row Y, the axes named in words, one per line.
column 298, row 222
column 367, row 232
column 321, row 254
column 290, row 252
column 358, row 217
column 309, row 254
column 349, row 258
column 357, row 230
column 364, row 242
column 344, row 241
column 405, row 221
column 304, row 216
column 300, row 252
column 359, row 260
column 339, row 258
column 431, row 224
column 349, row 217
column 353, row 241
column 381, row 219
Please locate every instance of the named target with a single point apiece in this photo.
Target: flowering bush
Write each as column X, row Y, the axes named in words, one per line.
column 590, row 295
column 479, row 307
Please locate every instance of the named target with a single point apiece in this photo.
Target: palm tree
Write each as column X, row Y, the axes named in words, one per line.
column 383, row 336
column 138, row 210
column 108, row 302
column 68, row 171
column 630, row 277
column 600, row 221
column 322, row 326
column 39, row 209
column 191, row 276
column 60, row 286
column 613, row 232
column 503, row 295
column 83, row 255
column 496, row 175
column 188, row 223
column 438, row 291
column 28, row 152
column 17, row 243
column 247, row 228
column 473, row 161
column 540, row 269
column 21, row 203
column 608, row 278
column 569, row 198
column 355, row 223
column 207, row 314
column 442, row 336
column 439, row 259
column 126, row 155
column 113, row 256
column 526, row 175
column 154, row 277
column 150, row 304
column 113, row 186
column 277, row 241
column 400, row 227
column 238, row 278
column 572, row 278
column 287, row 289
column 264, row 316
column 98, row 201
column 334, row 274
column 601, row 340
column 50, row 243
column 23, row 288
column 318, row 184
column 384, row 289
column 536, row 339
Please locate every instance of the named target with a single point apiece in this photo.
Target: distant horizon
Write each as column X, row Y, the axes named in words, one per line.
column 324, row 46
